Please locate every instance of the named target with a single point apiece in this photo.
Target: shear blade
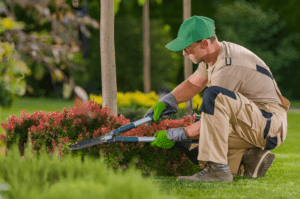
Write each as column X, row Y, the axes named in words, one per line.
column 91, row 142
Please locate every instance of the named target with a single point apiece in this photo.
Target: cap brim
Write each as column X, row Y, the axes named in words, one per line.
column 178, row 45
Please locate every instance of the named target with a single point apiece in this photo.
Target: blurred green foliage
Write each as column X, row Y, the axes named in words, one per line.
column 265, row 27
column 247, row 24
column 129, row 57
column 12, row 75
column 70, row 177
column 263, row 33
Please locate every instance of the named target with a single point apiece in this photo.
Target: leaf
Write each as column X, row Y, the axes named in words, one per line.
column 39, row 72
column 19, row 87
column 116, row 6
column 141, row 2
column 159, row 2
column 18, row 73
column 67, row 91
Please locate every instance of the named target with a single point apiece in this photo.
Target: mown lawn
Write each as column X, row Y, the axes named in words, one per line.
column 295, row 104
column 281, row 181
column 32, row 104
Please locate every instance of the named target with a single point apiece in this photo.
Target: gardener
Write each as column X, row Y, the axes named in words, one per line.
column 243, row 115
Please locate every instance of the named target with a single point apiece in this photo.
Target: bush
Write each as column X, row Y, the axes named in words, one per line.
column 12, row 74
column 138, row 100
column 60, row 130
column 134, row 114
column 43, row 176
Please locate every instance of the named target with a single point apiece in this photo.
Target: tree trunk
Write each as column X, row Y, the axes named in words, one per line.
column 188, row 67
column 108, row 62
column 146, row 44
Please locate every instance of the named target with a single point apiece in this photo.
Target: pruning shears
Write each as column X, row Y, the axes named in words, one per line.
column 108, row 137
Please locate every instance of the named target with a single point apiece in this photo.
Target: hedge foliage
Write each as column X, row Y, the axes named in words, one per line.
column 138, row 99
column 40, row 176
column 59, row 130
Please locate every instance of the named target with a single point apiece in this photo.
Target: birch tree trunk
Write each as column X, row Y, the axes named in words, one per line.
column 188, row 67
column 146, row 45
column 108, row 62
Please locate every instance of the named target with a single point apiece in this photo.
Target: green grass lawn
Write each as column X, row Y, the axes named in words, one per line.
column 32, row 104
column 281, row 181
column 295, row 104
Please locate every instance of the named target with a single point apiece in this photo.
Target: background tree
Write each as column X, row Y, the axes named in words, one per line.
column 188, row 67
column 47, row 38
column 129, row 50
column 12, row 73
column 289, row 13
column 166, row 66
column 263, row 33
column 146, row 48
column 108, row 62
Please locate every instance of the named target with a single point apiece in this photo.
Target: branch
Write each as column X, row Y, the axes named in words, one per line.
column 73, row 65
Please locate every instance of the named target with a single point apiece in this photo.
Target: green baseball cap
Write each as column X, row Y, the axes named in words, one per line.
column 192, row 29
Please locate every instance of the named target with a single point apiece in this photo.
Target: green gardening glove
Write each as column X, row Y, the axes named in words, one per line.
column 162, row 140
column 168, row 101
column 157, row 109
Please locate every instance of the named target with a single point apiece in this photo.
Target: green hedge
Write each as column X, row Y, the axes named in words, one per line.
column 40, row 176
column 134, row 114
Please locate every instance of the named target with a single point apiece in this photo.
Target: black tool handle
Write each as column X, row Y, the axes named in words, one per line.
column 168, row 112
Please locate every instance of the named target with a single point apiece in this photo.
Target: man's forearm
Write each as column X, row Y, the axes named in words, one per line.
column 186, row 91
column 193, row 131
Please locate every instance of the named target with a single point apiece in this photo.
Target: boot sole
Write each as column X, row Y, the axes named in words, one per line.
column 187, row 178
column 263, row 165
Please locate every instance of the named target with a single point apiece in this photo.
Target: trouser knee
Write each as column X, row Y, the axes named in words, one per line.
column 209, row 97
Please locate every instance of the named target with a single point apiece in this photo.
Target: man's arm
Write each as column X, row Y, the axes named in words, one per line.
column 189, row 88
column 193, row 131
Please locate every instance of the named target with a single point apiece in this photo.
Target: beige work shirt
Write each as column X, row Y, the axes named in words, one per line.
column 254, row 85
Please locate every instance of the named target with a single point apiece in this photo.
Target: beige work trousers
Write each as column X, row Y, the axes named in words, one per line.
column 235, row 126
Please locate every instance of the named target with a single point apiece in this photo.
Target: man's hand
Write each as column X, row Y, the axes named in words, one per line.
column 167, row 101
column 167, row 139
column 157, row 109
column 162, row 140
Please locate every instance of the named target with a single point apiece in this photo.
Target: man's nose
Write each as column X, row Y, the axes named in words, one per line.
column 184, row 53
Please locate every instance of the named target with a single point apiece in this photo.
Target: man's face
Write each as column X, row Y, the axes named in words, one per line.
column 193, row 52
column 196, row 60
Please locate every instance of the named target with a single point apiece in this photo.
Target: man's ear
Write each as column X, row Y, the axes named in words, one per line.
column 204, row 43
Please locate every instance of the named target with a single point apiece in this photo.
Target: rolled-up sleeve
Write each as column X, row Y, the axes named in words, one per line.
column 202, row 70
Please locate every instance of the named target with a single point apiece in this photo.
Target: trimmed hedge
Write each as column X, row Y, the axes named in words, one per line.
column 59, row 130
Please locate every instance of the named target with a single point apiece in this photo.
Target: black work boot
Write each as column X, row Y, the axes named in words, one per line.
column 211, row 172
column 256, row 162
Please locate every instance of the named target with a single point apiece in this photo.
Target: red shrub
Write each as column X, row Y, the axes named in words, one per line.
column 59, row 130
